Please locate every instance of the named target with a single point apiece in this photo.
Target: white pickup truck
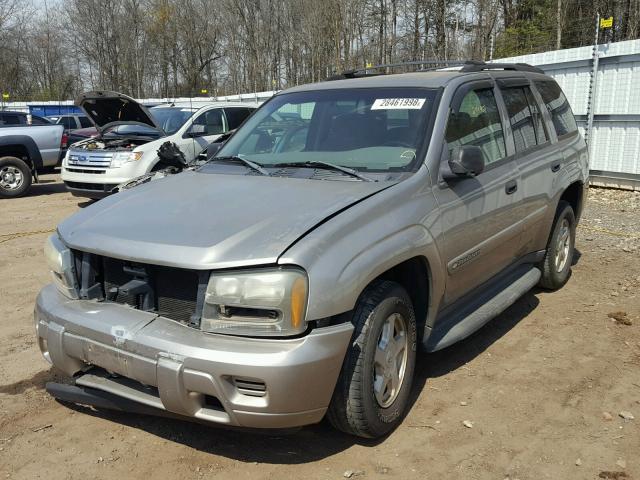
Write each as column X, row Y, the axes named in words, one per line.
column 26, row 150
column 129, row 136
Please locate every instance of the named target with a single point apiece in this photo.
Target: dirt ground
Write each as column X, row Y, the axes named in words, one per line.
column 543, row 385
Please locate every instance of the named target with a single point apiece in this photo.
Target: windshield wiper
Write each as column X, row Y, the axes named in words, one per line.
column 326, row 165
column 234, row 158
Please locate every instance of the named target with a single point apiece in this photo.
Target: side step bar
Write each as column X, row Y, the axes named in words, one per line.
column 453, row 326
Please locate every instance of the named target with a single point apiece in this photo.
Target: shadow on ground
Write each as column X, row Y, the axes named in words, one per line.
column 318, row 441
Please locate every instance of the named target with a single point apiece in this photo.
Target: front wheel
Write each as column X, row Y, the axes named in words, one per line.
column 556, row 266
column 373, row 389
column 15, row 177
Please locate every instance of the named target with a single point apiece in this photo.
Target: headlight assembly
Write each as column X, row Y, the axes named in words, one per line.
column 265, row 302
column 60, row 262
column 120, row 158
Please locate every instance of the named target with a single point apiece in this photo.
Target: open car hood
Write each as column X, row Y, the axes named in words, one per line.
column 107, row 109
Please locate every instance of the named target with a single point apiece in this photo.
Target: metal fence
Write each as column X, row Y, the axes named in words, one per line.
column 602, row 82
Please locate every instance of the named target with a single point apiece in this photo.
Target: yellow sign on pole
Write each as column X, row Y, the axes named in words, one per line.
column 5, row 96
column 203, row 91
column 606, row 22
column 369, row 65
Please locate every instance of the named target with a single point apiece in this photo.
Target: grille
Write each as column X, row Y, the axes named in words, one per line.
column 175, row 290
column 90, row 159
column 84, row 170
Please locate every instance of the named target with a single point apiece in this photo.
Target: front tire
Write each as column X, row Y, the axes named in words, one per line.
column 556, row 266
column 15, row 177
column 371, row 396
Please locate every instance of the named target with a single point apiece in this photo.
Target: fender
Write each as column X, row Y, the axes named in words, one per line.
column 346, row 253
column 24, row 141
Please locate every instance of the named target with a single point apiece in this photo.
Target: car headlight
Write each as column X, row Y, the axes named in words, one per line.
column 60, row 262
column 264, row 302
column 120, row 158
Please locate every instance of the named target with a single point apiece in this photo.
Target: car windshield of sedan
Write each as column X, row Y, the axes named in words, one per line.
column 371, row 129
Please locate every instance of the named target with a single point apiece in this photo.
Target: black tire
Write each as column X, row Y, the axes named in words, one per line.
column 354, row 408
column 554, row 277
column 12, row 168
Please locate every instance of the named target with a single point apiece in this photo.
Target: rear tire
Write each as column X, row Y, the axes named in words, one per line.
column 556, row 266
column 371, row 396
column 15, row 177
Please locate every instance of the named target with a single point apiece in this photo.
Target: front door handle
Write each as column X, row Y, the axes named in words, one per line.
column 555, row 167
column 511, row 187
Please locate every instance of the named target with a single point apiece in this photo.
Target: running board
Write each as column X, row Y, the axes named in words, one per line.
column 453, row 326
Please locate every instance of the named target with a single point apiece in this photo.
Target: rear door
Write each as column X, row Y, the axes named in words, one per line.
column 539, row 159
column 479, row 215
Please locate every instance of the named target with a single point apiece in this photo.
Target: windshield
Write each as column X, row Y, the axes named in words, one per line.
column 170, row 119
column 378, row 129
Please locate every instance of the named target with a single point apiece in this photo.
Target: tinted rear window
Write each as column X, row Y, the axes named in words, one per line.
column 85, row 122
column 10, row 119
column 558, row 106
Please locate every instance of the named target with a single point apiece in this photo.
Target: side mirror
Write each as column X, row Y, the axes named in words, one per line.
column 465, row 161
column 197, row 131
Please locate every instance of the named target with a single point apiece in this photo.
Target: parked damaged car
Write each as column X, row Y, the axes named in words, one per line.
column 344, row 226
column 129, row 136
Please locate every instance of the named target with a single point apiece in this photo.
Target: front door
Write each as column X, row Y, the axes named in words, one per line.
column 480, row 225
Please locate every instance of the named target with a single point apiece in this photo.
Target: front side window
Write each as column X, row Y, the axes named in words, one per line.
column 68, row 122
column 377, row 129
column 85, row 122
column 212, row 121
column 477, row 122
column 10, row 119
column 558, row 106
column 520, row 117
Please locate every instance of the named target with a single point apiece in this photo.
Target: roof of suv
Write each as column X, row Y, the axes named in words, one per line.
column 430, row 79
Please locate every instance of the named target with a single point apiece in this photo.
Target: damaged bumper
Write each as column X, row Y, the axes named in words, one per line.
column 246, row 382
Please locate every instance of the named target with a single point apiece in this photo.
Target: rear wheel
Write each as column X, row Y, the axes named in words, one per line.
column 15, row 177
column 556, row 266
column 373, row 389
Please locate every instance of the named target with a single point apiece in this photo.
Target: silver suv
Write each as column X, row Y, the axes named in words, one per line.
column 295, row 275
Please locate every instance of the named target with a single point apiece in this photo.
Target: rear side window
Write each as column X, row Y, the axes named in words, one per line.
column 477, row 122
column 235, row 116
column 10, row 119
column 558, row 107
column 524, row 118
column 85, row 122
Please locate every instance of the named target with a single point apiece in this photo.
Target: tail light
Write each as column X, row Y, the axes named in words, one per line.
column 64, row 140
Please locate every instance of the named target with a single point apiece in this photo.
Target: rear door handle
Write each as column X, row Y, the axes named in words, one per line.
column 555, row 167
column 511, row 187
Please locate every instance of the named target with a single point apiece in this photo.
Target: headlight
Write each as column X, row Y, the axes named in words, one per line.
column 261, row 302
column 60, row 263
column 120, row 158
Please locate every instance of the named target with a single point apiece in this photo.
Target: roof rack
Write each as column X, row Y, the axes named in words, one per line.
column 476, row 66
column 432, row 64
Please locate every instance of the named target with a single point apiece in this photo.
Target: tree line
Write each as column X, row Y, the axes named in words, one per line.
column 55, row 49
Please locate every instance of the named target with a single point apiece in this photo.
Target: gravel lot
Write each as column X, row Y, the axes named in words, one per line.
column 542, row 386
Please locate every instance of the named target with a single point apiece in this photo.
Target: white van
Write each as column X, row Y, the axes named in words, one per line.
column 129, row 136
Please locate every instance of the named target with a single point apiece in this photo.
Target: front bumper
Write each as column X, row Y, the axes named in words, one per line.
column 246, row 382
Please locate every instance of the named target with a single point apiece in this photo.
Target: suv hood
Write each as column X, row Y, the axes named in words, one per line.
column 106, row 109
column 209, row 221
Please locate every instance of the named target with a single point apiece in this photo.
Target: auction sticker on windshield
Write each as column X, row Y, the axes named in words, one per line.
column 398, row 103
